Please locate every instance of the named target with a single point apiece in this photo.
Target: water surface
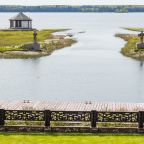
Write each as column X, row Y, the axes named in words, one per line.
column 92, row 69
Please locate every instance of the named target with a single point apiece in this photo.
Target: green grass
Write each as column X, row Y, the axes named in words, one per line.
column 130, row 49
column 131, row 43
column 15, row 40
column 10, row 39
column 135, row 29
column 57, row 138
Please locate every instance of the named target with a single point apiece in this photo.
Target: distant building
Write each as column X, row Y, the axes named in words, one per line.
column 20, row 21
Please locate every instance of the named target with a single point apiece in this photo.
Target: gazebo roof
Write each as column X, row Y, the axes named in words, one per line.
column 20, row 16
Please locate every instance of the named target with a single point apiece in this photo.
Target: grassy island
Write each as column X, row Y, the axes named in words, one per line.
column 130, row 49
column 12, row 43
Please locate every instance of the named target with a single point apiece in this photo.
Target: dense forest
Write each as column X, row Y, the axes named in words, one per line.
column 63, row 8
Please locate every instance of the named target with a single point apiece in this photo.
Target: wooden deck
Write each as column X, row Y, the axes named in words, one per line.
column 70, row 106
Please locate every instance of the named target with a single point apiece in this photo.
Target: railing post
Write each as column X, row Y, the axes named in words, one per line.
column 93, row 118
column 2, row 115
column 47, row 118
column 140, row 119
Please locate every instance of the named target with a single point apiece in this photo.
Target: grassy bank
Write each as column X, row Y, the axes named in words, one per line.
column 134, row 29
column 12, row 43
column 130, row 49
column 57, row 138
column 131, row 41
column 47, row 49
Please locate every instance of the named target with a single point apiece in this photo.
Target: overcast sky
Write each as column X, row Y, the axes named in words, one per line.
column 71, row 2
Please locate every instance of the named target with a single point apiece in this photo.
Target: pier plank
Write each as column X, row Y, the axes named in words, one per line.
column 71, row 106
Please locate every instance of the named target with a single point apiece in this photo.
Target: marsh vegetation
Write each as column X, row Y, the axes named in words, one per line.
column 130, row 49
column 12, row 43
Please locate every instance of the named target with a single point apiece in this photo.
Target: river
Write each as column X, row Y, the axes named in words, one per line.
column 93, row 69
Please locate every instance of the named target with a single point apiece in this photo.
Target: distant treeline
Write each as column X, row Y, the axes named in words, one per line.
column 63, row 8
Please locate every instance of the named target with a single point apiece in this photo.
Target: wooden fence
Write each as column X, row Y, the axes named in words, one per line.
column 93, row 117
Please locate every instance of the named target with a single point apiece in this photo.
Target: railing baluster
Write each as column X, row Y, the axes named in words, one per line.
column 2, row 117
column 93, row 118
column 47, row 118
column 140, row 119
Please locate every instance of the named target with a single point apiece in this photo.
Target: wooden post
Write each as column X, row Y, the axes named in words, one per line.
column 47, row 118
column 93, row 118
column 140, row 119
column 2, row 115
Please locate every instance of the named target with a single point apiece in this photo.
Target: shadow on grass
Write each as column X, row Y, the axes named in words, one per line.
column 68, row 134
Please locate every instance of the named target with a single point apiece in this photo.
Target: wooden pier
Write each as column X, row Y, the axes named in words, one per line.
column 70, row 106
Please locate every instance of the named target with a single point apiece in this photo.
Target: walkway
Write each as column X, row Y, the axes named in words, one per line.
column 70, row 106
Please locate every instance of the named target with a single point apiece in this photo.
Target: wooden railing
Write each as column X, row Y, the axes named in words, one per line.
column 93, row 116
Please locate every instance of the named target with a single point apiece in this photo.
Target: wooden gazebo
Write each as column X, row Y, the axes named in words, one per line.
column 20, row 21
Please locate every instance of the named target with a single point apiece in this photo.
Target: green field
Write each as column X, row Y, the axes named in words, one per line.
column 55, row 138
column 11, row 40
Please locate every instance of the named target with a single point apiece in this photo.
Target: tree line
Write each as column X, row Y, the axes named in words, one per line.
column 63, row 8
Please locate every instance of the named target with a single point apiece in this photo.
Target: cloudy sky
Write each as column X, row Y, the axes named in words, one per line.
column 71, row 2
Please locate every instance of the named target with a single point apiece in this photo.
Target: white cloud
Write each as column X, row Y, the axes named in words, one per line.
column 71, row 2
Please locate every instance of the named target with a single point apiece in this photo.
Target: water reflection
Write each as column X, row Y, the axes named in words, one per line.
column 141, row 64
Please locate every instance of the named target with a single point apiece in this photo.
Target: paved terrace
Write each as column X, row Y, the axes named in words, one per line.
column 70, row 106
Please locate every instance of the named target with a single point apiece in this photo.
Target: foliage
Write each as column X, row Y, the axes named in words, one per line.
column 66, row 8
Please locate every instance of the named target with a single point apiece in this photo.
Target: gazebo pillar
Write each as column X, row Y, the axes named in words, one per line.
column 21, row 21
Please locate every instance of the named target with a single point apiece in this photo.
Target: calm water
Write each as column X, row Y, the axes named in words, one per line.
column 92, row 69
